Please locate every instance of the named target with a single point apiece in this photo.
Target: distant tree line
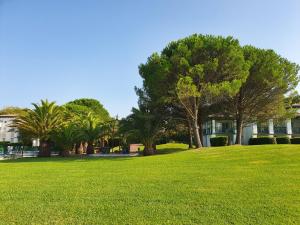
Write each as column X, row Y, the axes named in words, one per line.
column 78, row 126
column 185, row 84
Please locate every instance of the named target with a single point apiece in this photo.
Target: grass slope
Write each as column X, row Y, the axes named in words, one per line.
column 225, row 185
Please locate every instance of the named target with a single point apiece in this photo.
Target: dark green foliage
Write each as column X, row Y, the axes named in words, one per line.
column 283, row 140
column 114, row 142
column 295, row 140
column 86, row 105
column 3, row 147
column 105, row 150
column 4, row 143
column 219, row 141
column 177, row 137
column 262, row 141
column 193, row 72
column 270, row 78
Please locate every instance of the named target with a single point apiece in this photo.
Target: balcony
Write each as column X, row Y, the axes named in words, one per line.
column 296, row 130
column 263, row 130
column 279, row 130
column 224, row 130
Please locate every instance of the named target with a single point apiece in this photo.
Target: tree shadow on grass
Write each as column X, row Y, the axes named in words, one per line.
column 84, row 159
column 170, row 150
column 59, row 159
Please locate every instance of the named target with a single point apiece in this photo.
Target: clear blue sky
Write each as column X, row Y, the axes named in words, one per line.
column 67, row 49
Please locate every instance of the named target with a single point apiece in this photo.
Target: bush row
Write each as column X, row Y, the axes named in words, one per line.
column 272, row 140
column 219, row 141
column 262, row 141
column 223, row 140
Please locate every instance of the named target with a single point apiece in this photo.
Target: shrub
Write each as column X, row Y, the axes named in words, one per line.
column 295, row 140
column 262, row 141
column 4, row 143
column 114, row 142
column 219, row 141
column 283, row 140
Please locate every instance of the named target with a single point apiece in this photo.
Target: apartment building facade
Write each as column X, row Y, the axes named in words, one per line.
column 271, row 127
column 7, row 132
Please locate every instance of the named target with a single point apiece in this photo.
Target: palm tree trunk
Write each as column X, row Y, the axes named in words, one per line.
column 44, row 149
column 90, row 148
column 149, row 149
column 65, row 153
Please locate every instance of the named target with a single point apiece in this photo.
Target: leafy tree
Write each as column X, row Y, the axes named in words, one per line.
column 40, row 122
column 262, row 95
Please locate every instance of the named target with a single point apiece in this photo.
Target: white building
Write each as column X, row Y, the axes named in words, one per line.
column 272, row 128
column 7, row 132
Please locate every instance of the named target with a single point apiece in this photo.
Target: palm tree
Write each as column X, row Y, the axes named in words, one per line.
column 40, row 122
column 144, row 126
column 66, row 138
column 91, row 130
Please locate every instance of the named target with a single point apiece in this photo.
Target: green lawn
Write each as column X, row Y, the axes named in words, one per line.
column 225, row 185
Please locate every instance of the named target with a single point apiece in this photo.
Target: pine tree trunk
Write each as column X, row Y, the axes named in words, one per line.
column 200, row 122
column 239, row 130
column 196, row 134
column 201, row 130
column 190, row 134
column 65, row 153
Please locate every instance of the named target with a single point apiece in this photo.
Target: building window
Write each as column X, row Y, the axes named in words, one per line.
column 263, row 128
column 280, row 127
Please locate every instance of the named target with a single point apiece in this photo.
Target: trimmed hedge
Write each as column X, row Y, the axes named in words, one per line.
column 262, row 141
column 283, row 140
column 295, row 140
column 219, row 141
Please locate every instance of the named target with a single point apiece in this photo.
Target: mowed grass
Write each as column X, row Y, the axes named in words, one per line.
column 225, row 185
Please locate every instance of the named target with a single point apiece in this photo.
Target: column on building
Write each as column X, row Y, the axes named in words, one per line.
column 213, row 128
column 289, row 130
column 271, row 127
column 234, row 132
column 254, row 130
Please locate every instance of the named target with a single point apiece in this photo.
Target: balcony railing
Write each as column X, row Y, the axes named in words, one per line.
column 263, row 130
column 223, row 130
column 296, row 130
column 280, row 130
